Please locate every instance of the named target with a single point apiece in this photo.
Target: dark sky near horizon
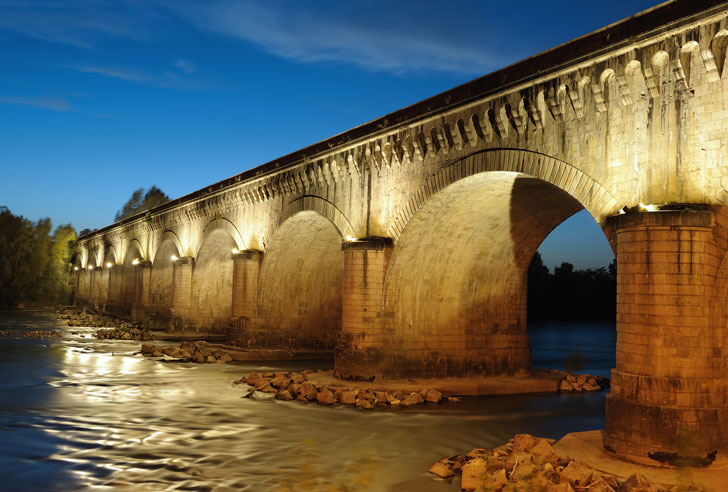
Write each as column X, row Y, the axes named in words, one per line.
column 98, row 98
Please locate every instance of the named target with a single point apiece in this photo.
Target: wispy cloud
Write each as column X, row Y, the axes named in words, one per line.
column 185, row 66
column 168, row 79
column 54, row 103
column 344, row 35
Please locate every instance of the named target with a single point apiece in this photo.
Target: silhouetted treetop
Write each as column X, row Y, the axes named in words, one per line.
column 141, row 202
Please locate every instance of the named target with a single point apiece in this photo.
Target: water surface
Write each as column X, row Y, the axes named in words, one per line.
column 87, row 414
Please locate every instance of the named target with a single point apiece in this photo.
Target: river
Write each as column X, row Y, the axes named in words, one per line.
column 85, row 414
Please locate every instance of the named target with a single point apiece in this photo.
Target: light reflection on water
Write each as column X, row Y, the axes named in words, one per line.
column 81, row 413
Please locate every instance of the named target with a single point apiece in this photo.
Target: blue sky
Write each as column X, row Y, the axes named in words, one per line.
column 98, row 98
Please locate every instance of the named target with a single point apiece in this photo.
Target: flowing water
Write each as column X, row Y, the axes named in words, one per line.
column 87, row 414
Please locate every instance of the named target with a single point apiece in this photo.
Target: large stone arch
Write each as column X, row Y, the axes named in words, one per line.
column 300, row 286
column 161, row 276
column 314, row 204
column 132, row 255
column 596, row 199
column 212, row 278
column 170, row 236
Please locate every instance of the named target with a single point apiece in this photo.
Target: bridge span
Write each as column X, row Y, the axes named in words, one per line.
column 403, row 244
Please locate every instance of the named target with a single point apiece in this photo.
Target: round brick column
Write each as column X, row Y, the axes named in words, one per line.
column 667, row 405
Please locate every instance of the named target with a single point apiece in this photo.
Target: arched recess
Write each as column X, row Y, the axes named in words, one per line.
column 314, row 204
column 300, row 287
column 456, row 285
column 110, row 255
column 168, row 236
column 160, row 281
column 132, row 254
column 226, row 225
column 212, row 279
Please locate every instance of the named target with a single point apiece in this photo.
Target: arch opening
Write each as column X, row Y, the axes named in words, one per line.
column 455, row 295
column 160, row 279
column 300, row 287
column 212, row 282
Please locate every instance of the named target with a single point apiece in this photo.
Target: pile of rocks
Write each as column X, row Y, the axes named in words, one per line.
column 528, row 463
column 296, row 386
column 86, row 316
column 30, row 334
column 583, row 382
column 188, row 352
column 123, row 334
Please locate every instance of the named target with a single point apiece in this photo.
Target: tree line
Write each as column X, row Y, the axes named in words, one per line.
column 35, row 261
column 569, row 294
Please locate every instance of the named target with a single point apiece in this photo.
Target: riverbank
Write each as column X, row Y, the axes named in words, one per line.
column 528, row 463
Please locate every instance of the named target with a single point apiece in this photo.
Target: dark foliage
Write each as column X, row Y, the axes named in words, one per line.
column 141, row 202
column 35, row 264
column 570, row 294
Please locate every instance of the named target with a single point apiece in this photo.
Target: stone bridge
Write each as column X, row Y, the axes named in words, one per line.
column 403, row 244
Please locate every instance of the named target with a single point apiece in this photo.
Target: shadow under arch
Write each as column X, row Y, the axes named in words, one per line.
column 454, row 298
column 161, row 277
column 167, row 236
column 299, row 300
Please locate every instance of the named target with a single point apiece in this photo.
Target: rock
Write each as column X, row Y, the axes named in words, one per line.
column 210, row 359
column 543, row 452
column 326, row 397
column 441, row 470
column 562, row 487
column 298, row 378
column 455, row 461
column 389, row 397
column 578, row 474
column 473, row 474
column 454, row 399
column 570, row 378
column 524, row 471
column 267, row 388
column 581, row 379
column 301, row 398
column 523, row 442
column 600, row 486
column 413, row 399
column 199, row 358
column 284, row 395
column 280, row 382
column 308, row 391
column 364, row 403
column 591, row 381
column 496, row 480
column 565, row 385
column 157, row 353
column 380, row 396
column 348, row 397
column 226, row 357
column 433, row 396
column 170, row 351
column 478, row 453
column 183, row 354
column 148, row 349
column 637, row 483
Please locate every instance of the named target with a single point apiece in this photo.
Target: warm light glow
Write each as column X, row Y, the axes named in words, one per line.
column 90, row 267
column 108, row 265
column 236, row 251
column 349, row 238
column 621, row 211
column 75, row 269
column 135, row 261
column 174, row 258
column 648, row 208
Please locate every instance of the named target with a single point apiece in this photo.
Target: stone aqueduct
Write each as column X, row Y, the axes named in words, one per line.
column 404, row 243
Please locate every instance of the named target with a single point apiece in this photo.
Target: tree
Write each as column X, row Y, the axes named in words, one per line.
column 35, row 265
column 141, row 202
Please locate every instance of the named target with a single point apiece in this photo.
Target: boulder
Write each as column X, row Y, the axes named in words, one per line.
column 308, row 390
column 600, row 486
column 441, row 469
column 326, row 397
column 543, row 452
column 413, row 399
column 523, row 442
column 148, row 349
column 226, row 357
column 284, row 395
column 298, row 378
column 380, row 396
column 210, row 359
column 454, row 399
column 473, row 474
column 348, row 397
column 496, row 480
column 267, row 388
column 566, row 385
column 524, row 471
column 364, row 403
column 637, row 483
column 577, row 474
column 433, row 396
column 478, row 453
column 157, row 353
column 561, row 487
